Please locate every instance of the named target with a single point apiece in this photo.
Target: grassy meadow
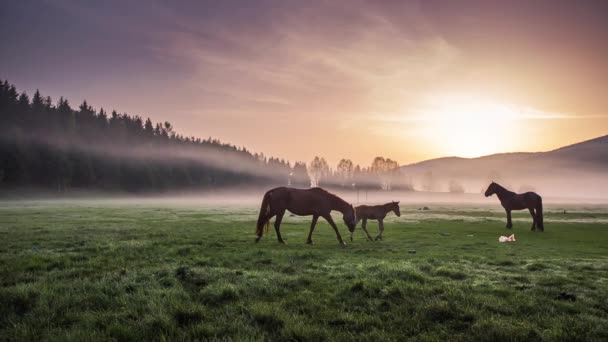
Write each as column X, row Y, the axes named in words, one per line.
column 86, row 270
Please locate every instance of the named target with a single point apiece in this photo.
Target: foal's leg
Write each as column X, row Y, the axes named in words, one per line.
column 277, row 225
column 380, row 229
column 312, row 227
column 333, row 225
column 533, row 218
column 509, row 223
column 363, row 225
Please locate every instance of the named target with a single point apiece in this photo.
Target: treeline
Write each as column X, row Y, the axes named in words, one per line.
column 47, row 145
column 56, row 147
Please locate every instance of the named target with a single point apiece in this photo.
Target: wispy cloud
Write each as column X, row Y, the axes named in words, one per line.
column 354, row 58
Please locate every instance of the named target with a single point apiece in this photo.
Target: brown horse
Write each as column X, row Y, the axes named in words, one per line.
column 304, row 202
column 376, row 212
column 512, row 201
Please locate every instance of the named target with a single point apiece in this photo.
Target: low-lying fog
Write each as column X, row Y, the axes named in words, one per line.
column 559, row 177
column 252, row 198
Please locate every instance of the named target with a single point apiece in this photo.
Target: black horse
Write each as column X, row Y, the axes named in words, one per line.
column 512, row 201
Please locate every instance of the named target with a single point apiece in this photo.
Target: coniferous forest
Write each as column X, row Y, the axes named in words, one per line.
column 53, row 146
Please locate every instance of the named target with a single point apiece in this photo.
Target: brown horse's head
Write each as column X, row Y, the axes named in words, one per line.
column 350, row 219
column 491, row 190
column 395, row 208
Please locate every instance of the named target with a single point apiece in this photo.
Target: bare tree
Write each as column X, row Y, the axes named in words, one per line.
column 386, row 170
column 317, row 170
column 345, row 171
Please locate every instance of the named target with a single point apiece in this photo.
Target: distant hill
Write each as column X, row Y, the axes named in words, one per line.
column 581, row 168
column 592, row 152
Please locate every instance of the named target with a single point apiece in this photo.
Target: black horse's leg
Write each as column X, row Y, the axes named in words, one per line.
column 380, row 229
column 363, row 225
column 333, row 225
column 277, row 225
column 312, row 227
column 509, row 223
column 533, row 218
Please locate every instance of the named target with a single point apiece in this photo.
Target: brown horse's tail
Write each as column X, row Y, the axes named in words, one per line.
column 539, row 214
column 263, row 217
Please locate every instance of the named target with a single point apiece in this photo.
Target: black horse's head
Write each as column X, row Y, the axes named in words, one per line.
column 395, row 208
column 491, row 190
column 350, row 219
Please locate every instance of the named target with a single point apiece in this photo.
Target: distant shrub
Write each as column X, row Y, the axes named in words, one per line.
column 455, row 187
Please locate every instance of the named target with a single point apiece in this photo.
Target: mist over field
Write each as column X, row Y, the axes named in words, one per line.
column 440, row 181
column 576, row 172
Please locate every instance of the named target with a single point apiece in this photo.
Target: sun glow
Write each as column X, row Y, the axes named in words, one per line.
column 470, row 127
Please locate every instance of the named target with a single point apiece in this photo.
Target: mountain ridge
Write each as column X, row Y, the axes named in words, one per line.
column 574, row 167
column 595, row 141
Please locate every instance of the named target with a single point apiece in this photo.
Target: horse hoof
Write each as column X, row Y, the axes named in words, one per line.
column 309, row 242
column 282, row 242
column 257, row 239
column 342, row 244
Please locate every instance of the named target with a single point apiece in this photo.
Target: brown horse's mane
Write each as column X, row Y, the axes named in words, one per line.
column 334, row 198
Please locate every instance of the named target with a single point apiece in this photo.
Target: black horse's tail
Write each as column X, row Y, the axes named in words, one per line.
column 264, row 211
column 539, row 214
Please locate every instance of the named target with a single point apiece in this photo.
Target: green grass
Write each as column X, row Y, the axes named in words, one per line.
column 91, row 271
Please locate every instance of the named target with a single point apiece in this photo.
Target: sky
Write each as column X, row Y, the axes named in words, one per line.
column 408, row 80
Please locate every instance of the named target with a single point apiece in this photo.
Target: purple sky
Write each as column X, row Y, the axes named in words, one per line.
column 350, row 79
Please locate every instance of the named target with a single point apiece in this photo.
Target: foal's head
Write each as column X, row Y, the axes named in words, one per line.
column 394, row 206
column 491, row 189
column 350, row 218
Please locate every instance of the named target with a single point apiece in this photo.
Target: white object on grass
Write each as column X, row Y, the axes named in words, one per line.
column 507, row 239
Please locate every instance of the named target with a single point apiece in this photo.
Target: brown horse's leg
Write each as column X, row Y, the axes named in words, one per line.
column 312, row 227
column 363, row 225
column 533, row 218
column 509, row 223
column 333, row 225
column 277, row 225
column 380, row 229
column 262, row 223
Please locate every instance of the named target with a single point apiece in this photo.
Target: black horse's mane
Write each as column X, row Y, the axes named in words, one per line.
column 504, row 190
